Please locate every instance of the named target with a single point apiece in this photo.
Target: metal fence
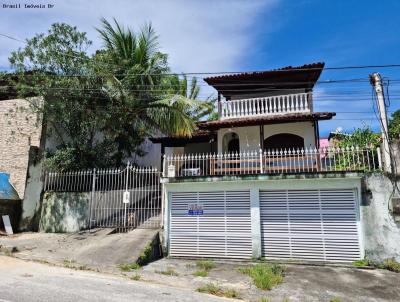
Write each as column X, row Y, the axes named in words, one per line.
column 350, row 159
column 119, row 198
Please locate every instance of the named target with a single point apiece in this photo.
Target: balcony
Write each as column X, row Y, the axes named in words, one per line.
column 264, row 106
column 353, row 159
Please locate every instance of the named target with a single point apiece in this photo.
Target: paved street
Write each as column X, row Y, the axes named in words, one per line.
column 29, row 281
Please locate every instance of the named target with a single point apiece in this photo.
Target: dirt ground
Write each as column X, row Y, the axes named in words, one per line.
column 303, row 283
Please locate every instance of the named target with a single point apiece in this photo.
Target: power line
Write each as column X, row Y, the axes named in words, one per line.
column 244, row 72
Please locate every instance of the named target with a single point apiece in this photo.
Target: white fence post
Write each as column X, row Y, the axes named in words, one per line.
column 261, row 162
column 126, row 190
column 92, row 197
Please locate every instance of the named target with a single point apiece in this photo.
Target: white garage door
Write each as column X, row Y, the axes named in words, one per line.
column 222, row 230
column 317, row 225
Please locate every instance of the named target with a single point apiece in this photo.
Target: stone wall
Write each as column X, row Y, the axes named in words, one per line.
column 20, row 129
column 381, row 232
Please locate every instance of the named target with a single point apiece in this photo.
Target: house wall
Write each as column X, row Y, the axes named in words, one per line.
column 303, row 129
column 249, row 137
column 152, row 158
column 20, row 129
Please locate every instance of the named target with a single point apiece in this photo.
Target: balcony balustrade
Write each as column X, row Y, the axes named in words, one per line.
column 264, row 106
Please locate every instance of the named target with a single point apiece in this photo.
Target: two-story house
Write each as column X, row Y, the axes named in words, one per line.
column 255, row 183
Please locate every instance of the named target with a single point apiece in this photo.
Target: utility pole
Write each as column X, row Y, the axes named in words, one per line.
column 376, row 82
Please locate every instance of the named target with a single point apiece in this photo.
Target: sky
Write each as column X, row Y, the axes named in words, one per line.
column 229, row 35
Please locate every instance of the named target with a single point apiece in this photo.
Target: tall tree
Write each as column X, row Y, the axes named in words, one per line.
column 101, row 107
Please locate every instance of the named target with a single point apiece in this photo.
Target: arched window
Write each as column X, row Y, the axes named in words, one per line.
column 283, row 140
column 230, row 142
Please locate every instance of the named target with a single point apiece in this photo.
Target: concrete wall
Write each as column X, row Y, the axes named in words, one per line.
column 64, row 212
column 20, row 129
column 32, row 201
column 381, row 232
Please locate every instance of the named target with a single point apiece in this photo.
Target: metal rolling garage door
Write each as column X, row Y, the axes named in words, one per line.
column 223, row 230
column 315, row 225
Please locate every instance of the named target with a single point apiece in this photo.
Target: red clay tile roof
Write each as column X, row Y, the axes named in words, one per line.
column 273, row 119
column 298, row 77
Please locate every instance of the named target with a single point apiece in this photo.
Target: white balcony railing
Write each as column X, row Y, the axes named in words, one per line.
column 264, row 106
column 282, row 161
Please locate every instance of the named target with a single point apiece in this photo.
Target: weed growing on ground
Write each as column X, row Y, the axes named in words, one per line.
column 389, row 264
column 169, row 272
column 335, row 300
column 126, row 267
column 200, row 274
column 392, row 265
column 360, row 263
column 135, row 277
column 264, row 276
column 205, row 265
column 214, row 289
column 8, row 251
column 69, row 263
column 263, row 299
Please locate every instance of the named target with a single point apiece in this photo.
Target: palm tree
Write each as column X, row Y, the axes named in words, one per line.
column 134, row 84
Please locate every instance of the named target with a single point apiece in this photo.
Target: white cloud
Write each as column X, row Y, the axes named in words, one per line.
column 198, row 35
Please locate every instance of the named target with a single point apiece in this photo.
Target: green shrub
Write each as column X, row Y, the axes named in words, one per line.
column 136, row 277
column 264, row 276
column 126, row 267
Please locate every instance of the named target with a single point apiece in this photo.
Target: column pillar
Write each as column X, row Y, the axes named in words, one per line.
column 255, row 222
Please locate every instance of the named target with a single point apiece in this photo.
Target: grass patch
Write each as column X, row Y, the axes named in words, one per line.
column 264, row 276
column 335, row 300
column 169, row 272
column 135, row 277
column 205, row 265
column 263, row 299
column 127, row 267
column 200, row 274
column 214, row 289
column 360, row 263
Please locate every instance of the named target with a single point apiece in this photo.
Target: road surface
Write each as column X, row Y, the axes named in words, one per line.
column 29, row 281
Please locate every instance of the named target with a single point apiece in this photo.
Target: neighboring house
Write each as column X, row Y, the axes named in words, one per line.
column 254, row 183
column 20, row 139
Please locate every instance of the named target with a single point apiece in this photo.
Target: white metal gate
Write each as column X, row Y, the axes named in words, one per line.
column 315, row 225
column 126, row 199
column 222, row 229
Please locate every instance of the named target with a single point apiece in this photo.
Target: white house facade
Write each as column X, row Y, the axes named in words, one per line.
column 255, row 183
